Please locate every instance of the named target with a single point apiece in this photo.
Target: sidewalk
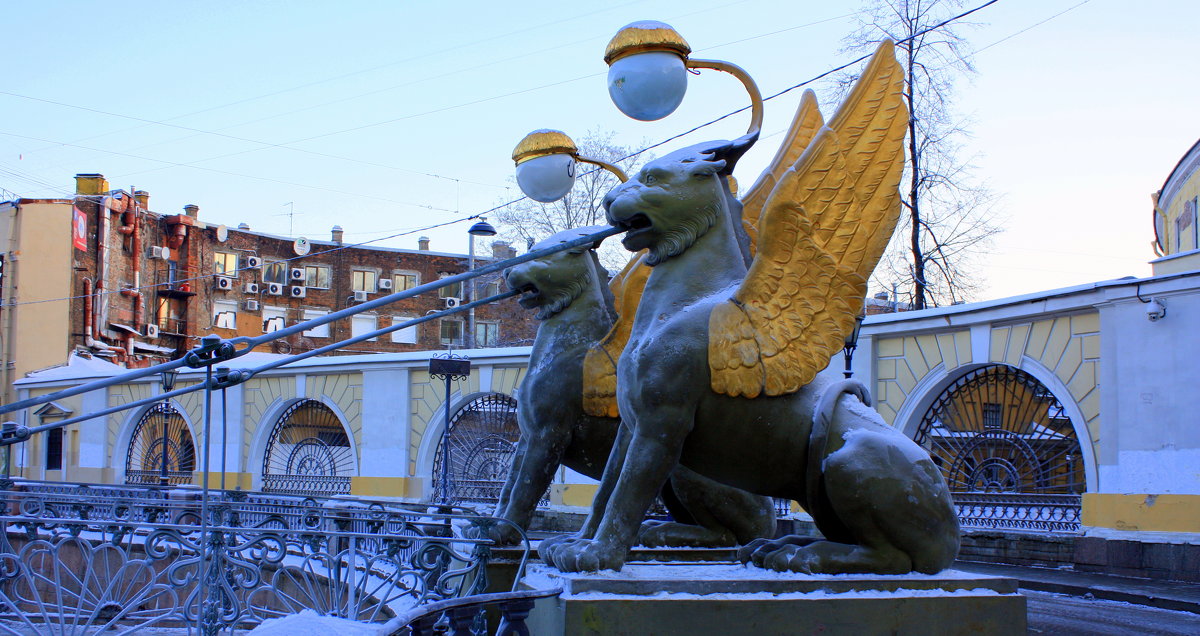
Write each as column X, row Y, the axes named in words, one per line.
column 1171, row 595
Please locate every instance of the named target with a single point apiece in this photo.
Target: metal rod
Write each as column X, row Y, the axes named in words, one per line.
column 446, row 446
column 619, row 173
column 470, row 339
column 756, row 100
column 309, row 324
column 265, row 367
column 207, row 612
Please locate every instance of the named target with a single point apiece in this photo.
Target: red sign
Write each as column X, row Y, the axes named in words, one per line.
column 79, row 230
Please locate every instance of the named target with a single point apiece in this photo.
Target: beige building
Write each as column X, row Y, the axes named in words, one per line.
column 36, row 276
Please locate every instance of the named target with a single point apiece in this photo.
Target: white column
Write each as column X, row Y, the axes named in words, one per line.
column 386, row 426
column 93, row 433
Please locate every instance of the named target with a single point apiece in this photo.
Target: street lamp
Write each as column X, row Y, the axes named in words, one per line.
column 481, row 228
column 168, row 384
column 546, row 165
column 648, row 66
column 851, row 344
column 448, row 368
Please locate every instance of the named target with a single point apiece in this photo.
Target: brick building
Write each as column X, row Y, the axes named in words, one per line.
column 100, row 273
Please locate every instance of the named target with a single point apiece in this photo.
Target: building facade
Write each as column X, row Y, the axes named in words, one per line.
column 102, row 274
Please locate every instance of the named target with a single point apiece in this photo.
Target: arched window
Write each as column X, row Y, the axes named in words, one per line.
column 482, row 441
column 308, row 452
column 1008, row 451
column 161, row 449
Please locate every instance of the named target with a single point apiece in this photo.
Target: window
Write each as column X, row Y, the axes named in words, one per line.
column 1185, row 226
column 54, row 449
column 490, row 288
column 225, row 264
column 316, row 276
column 993, row 416
column 363, row 280
column 405, row 280
column 452, row 332
column 450, row 291
column 275, row 273
column 407, row 335
column 316, row 332
column 363, row 324
column 273, row 318
column 487, row 334
column 225, row 314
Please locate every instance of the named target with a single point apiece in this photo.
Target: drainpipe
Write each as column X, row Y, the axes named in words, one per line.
column 132, row 228
column 92, row 339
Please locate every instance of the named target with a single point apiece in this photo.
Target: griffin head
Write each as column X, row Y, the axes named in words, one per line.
column 551, row 283
column 674, row 200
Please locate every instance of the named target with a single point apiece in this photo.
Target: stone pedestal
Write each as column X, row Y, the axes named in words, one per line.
column 727, row 599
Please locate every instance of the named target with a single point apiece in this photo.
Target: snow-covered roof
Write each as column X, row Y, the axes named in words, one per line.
column 76, row 367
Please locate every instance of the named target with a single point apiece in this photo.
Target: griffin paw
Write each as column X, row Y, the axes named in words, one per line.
column 582, row 555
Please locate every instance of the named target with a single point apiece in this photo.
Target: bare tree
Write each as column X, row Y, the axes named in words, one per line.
column 949, row 218
column 528, row 221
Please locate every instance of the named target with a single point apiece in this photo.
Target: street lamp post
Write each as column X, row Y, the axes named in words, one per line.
column 168, row 384
column 481, row 228
column 448, row 368
column 851, row 344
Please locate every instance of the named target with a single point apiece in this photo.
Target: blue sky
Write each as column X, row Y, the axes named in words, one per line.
column 386, row 117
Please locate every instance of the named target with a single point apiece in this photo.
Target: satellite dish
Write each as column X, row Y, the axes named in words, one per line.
column 222, row 233
column 301, row 246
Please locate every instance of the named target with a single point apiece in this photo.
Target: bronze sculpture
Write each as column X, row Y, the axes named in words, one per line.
column 719, row 372
column 576, row 310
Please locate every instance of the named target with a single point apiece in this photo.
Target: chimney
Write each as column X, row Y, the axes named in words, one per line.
column 91, row 184
column 192, row 210
column 143, row 199
column 245, row 227
column 502, row 250
column 423, row 243
column 337, row 234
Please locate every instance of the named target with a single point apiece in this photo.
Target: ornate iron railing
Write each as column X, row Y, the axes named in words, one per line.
column 83, row 559
column 87, row 558
column 1018, row 511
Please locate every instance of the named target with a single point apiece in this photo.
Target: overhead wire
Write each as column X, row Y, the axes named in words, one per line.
column 630, row 155
column 358, row 72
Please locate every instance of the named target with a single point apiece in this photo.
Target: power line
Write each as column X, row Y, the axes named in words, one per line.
column 508, row 203
column 234, row 174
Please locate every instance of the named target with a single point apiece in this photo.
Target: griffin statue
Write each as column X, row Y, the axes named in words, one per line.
column 576, row 310
column 716, row 370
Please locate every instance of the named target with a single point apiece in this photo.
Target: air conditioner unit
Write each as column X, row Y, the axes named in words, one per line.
column 297, row 273
column 151, row 330
column 275, row 289
column 452, row 302
column 297, row 291
column 251, row 305
column 250, row 288
column 224, row 283
column 385, row 284
column 252, row 262
column 160, row 253
column 360, row 296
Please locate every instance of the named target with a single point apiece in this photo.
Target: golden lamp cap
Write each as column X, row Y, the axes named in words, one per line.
column 540, row 143
column 645, row 36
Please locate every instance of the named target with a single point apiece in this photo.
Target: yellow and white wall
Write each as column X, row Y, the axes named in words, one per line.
column 390, row 408
column 1127, row 383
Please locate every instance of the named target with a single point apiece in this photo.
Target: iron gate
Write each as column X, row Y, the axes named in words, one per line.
column 1008, row 451
column 483, row 439
column 161, row 450
column 308, row 452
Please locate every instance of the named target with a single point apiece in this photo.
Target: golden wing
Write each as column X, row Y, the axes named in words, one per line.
column 600, row 364
column 805, row 125
column 823, row 229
